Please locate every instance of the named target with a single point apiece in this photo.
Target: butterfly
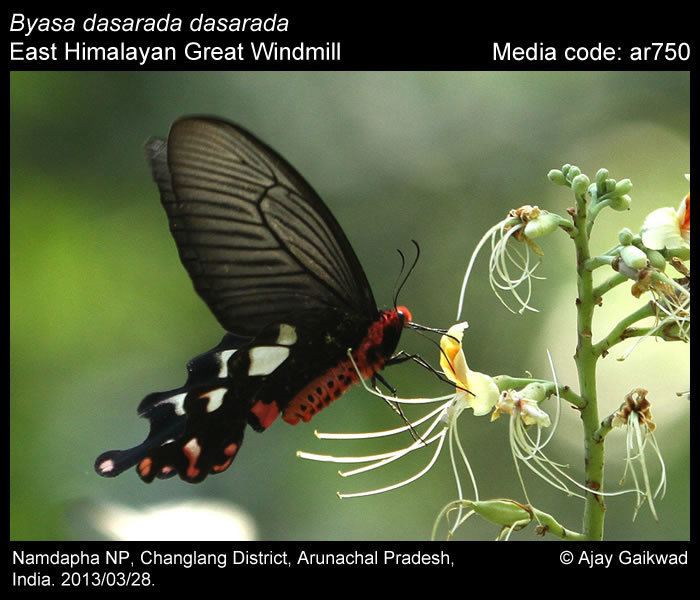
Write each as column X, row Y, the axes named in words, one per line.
column 278, row 273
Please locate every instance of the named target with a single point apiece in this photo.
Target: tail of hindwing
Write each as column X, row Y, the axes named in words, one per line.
column 195, row 430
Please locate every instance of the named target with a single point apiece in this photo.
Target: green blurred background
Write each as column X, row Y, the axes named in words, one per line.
column 102, row 312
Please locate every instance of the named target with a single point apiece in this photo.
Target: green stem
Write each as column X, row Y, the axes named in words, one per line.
column 506, row 382
column 620, row 331
column 609, row 284
column 605, row 428
column 599, row 261
column 586, row 359
column 594, row 210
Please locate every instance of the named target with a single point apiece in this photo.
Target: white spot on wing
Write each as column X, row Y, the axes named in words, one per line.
column 106, row 466
column 216, row 398
column 223, row 362
column 177, row 401
column 265, row 359
column 288, row 335
column 192, row 449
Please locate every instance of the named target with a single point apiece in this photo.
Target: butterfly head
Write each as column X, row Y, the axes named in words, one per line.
column 404, row 314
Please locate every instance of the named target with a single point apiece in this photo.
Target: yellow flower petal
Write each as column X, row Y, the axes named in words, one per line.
column 485, row 393
column 452, row 360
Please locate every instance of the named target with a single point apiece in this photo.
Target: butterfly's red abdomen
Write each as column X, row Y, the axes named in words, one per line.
column 370, row 357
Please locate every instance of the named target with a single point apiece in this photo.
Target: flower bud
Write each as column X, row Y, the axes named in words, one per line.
column 623, row 187
column 656, row 259
column 534, row 391
column 593, row 192
column 580, row 184
column 505, row 513
column 621, row 203
column 565, row 168
column 556, row 176
column 610, row 185
column 545, row 224
column 625, row 236
column 573, row 172
column 600, row 178
column 633, row 257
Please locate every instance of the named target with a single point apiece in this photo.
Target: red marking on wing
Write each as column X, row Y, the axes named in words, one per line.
column 266, row 413
column 144, row 467
column 229, row 451
column 192, row 452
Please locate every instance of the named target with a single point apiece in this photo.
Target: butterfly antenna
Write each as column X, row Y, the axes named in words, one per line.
column 397, row 285
column 408, row 273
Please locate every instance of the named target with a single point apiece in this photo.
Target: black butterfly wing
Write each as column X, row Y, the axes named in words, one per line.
column 195, row 429
column 198, row 429
column 255, row 238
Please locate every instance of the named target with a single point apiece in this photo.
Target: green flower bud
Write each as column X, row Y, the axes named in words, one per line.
column 505, row 513
column 625, row 236
column 682, row 253
column 656, row 259
column 621, row 203
column 610, row 185
column 565, row 168
column 633, row 257
column 534, row 391
column 573, row 172
column 593, row 192
column 600, row 178
column 556, row 176
column 580, row 183
column 545, row 224
column 623, row 187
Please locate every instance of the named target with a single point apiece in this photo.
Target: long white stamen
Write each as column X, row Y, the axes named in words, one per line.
column 642, row 461
column 467, row 464
column 470, row 266
column 405, row 481
column 384, row 433
column 498, row 266
column 395, row 455
column 456, row 475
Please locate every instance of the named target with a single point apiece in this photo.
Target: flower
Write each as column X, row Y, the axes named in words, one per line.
column 510, row 268
column 523, row 406
column 473, row 390
column 671, row 300
column 668, row 228
column 516, row 402
column 635, row 415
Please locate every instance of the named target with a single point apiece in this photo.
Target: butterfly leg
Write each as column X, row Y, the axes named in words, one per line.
column 403, row 356
column 395, row 405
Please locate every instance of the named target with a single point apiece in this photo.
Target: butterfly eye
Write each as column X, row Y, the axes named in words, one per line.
column 404, row 313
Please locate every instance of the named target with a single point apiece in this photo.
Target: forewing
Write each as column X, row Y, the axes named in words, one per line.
column 256, row 239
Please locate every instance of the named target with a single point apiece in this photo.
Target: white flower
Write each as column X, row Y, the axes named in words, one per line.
column 474, row 390
column 668, row 228
column 510, row 266
column 523, row 406
column 635, row 415
column 528, row 409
